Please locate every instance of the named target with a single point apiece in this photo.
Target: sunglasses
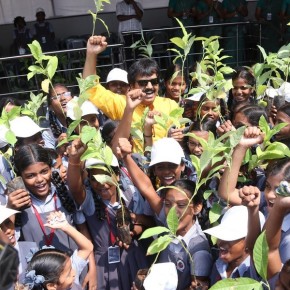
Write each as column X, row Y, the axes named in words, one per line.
column 144, row 83
column 57, row 96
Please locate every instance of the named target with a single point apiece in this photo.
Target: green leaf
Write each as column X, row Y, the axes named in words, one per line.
column 35, row 49
column 155, row 231
column 72, row 127
column 263, row 125
column 215, row 212
column 102, row 178
column 260, row 255
column 88, row 133
column 45, row 85
column 264, row 54
column 52, row 66
column 207, row 194
column 172, row 220
column 10, row 137
column 159, row 245
column 237, row 284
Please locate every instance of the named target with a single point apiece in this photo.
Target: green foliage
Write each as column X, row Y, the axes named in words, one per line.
column 210, row 71
column 159, row 244
column 215, row 212
column 153, row 232
column 99, row 5
column 31, row 108
column 172, row 220
column 260, row 255
column 145, row 48
column 237, row 284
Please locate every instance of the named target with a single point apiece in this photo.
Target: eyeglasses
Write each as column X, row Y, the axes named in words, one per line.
column 57, row 96
column 144, row 83
column 193, row 144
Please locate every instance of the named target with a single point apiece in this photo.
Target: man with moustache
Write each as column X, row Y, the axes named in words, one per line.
column 143, row 76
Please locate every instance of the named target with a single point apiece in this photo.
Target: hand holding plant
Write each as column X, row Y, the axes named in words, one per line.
column 250, row 196
column 96, row 45
column 124, row 148
column 75, row 150
column 225, row 127
column 252, row 136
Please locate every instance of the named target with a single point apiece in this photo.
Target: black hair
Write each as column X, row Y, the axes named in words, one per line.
column 17, row 18
column 54, row 125
column 279, row 166
column 48, row 263
column 8, row 100
column 188, row 186
column 142, row 67
column 108, row 131
column 100, row 208
column 221, row 102
column 253, row 113
column 246, row 74
column 171, row 70
column 285, row 109
column 32, row 153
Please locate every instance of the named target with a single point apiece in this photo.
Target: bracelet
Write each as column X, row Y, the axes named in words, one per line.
column 147, row 136
column 74, row 164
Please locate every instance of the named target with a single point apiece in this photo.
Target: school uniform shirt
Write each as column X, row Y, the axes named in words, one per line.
column 197, row 245
column 134, row 24
column 113, row 106
column 284, row 247
column 245, row 269
column 23, row 249
column 31, row 228
column 119, row 275
column 78, row 264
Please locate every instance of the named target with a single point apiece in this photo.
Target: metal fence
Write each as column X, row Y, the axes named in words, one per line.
column 13, row 70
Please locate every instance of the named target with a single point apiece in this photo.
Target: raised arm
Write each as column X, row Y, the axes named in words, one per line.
column 227, row 188
column 139, row 178
column 95, row 46
column 250, row 196
column 273, row 230
column 133, row 99
column 74, row 171
column 57, row 220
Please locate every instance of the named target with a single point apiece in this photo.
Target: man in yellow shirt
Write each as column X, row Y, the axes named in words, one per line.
column 144, row 75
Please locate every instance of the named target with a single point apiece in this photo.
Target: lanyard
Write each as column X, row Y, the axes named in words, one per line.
column 126, row 172
column 48, row 238
column 112, row 237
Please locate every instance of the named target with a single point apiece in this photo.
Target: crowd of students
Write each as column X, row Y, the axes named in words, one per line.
column 76, row 206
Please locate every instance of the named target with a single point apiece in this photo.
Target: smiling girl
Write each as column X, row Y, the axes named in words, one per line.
column 189, row 231
column 40, row 197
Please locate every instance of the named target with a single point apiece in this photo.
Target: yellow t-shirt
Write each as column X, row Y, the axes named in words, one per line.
column 113, row 105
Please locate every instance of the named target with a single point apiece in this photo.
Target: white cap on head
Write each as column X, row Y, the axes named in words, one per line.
column 234, row 224
column 94, row 162
column 163, row 276
column 5, row 213
column 39, row 9
column 24, row 127
column 87, row 108
column 166, row 150
column 196, row 97
column 3, row 140
column 117, row 74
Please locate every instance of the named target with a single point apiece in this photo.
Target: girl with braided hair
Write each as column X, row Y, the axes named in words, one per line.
column 44, row 192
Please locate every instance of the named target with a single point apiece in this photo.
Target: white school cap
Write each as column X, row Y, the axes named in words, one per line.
column 166, row 150
column 24, row 127
column 117, row 74
column 5, row 213
column 234, row 224
column 163, row 276
column 87, row 108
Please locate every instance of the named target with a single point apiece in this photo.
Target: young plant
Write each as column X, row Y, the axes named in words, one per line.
column 145, row 48
column 99, row 5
